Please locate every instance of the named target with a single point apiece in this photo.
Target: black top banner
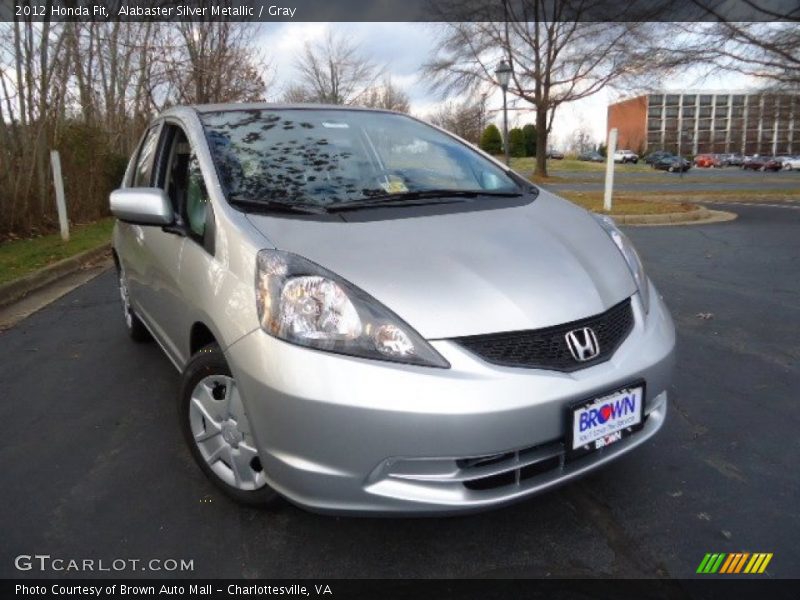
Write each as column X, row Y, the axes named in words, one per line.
column 393, row 11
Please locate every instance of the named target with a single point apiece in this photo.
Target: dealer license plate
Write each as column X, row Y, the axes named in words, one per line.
column 605, row 420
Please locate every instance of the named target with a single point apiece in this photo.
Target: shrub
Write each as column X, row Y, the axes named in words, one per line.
column 529, row 133
column 516, row 142
column 491, row 140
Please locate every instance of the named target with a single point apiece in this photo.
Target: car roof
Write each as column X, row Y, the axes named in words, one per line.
column 204, row 108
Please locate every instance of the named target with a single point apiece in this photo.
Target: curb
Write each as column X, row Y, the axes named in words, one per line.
column 698, row 216
column 19, row 288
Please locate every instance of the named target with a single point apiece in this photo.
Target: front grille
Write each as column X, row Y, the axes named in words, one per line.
column 547, row 348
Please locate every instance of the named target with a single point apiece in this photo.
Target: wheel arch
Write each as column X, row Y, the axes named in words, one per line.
column 200, row 336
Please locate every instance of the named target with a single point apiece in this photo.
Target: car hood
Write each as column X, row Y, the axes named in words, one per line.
column 470, row 272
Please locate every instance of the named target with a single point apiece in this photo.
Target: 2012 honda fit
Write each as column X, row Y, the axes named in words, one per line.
column 371, row 315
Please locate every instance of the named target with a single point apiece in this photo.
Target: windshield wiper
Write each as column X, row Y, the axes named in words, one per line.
column 419, row 198
column 272, row 206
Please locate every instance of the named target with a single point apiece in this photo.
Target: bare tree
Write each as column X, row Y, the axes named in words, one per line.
column 466, row 119
column 387, row 96
column 334, row 72
column 216, row 62
column 581, row 140
column 89, row 88
column 556, row 56
column 769, row 52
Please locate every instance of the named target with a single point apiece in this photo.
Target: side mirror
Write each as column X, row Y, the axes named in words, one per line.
column 142, row 206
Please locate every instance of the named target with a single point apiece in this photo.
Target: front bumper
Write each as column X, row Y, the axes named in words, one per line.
column 342, row 434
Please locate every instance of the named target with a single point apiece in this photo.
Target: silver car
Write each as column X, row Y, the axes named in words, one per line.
column 370, row 315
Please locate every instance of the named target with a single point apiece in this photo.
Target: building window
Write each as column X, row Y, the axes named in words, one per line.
column 705, row 112
column 689, row 100
column 656, row 99
column 654, row 111
column 721, row 100
column 738, row 100
column 673, row 99
column 654, row 124
column 688, row 112
column 672, row 111
column 705, row 99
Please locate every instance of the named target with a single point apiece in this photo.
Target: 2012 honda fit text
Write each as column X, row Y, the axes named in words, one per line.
column 370, row 315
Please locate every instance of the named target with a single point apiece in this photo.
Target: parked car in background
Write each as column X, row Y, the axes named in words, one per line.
column 763, row 163
column 591, row 156
column 707, row 161
column 555, row 154
column 673, row 164
column 626, row 156
column 655, row 156
column 370, row 316
column 792, row 163
column 732, row 160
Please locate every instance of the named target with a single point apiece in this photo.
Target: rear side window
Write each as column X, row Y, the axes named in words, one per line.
column 143, row 175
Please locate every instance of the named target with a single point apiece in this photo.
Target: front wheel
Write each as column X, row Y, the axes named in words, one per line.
column 217, row 429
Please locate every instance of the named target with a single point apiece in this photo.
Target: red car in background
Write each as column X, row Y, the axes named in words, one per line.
column 707, row 161
column 763, row 163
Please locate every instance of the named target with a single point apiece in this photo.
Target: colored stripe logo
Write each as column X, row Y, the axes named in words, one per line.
column 735, row 562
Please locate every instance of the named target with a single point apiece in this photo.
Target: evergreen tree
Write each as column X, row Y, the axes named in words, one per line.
column 529, row 131
column 491, row 140
column 516, row 142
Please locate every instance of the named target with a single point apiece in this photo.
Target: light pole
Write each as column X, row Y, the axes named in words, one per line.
column 503, row 74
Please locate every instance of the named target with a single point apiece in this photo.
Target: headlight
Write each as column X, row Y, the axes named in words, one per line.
column 305, row 304
column 631, row 257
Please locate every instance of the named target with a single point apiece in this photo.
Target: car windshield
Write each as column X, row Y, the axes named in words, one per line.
column 318, row 157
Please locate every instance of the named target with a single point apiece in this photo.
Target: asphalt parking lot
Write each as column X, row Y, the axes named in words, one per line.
column 92, row 464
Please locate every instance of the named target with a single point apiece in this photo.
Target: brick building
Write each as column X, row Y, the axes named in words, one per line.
column 697, row 122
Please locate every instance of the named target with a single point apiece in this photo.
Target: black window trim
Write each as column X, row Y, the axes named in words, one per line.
column 157, row 125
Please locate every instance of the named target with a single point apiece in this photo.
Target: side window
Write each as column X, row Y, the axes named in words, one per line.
column 143, row 175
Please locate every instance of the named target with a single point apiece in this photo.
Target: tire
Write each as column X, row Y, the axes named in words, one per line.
column 217, row 431
column 136, row 329
column 635, row 161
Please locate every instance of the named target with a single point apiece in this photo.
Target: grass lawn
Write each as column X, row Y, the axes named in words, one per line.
column 20, row 257
column 626, row 204
column 528, row 165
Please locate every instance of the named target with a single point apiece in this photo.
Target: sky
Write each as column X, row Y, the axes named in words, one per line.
column 404, row 47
